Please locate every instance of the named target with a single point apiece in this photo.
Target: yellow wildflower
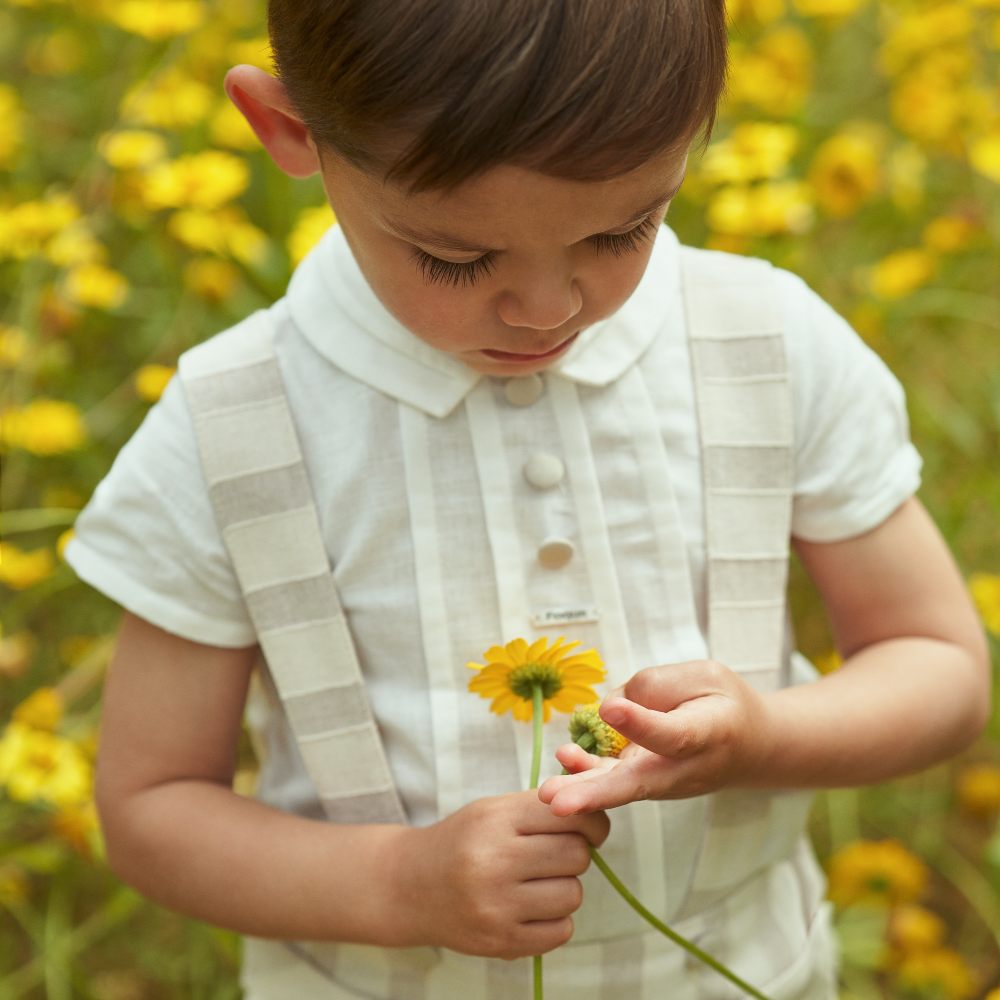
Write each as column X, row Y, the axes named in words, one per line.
column 172, row 100
column 229, row 128
column 11, row 125
column 774, row 75
column 979, row 790
column 875, row 873
column 901, row 273
column 77, row 825
column 97, row 286
column 846, row 171
column 753, row 151
column 984, row 154
column 762, row 11
column 224, row 231
column 157, row 19
column 590, row 731
column 200, row 180
column 914, row 928
column 211, row 278
column 828, row 662
column 940, row 974
column 949, row 233
column 906, row 170
column 26, row 228
column 36, row 766
column 927, row 105
column 151, row 380
column 43, row 427
column 511, row 672
column 985, row 591
column 762, row 209
column 252, row 52
column 74, row 246
column 13, row 346
column 42, row 709
column 311, row 224
column 921, row 30
column 132, row 149
column 20, row 570
column 827, row 8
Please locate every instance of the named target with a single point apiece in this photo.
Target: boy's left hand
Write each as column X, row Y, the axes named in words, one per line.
column 694, row 728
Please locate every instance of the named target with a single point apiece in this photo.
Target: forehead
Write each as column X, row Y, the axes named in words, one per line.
column 509, row 203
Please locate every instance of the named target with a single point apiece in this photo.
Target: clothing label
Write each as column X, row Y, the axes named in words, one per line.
column 563, row 616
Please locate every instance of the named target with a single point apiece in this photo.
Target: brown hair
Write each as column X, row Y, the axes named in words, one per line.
column 577, row 89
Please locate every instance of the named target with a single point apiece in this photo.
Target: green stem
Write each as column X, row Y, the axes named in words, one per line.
column 651, row 918
column 537, row 720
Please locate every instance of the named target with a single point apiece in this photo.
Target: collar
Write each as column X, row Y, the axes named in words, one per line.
column 334, row 307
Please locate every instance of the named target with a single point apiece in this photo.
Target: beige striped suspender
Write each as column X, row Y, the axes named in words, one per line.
column 260, row 490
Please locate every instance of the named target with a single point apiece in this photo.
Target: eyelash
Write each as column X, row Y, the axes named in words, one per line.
column 447, row 272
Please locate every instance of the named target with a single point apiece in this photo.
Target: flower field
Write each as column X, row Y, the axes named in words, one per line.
column 859, row 146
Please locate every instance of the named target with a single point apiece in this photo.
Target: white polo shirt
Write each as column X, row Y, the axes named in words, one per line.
column 363, row 390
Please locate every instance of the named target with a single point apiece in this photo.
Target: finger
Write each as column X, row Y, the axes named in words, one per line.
column 679, row 733
column 548, row 898
column 537, row 937
column 594, row 791
column 538, row 818
column 574, row 758
column 665, row 687
column 553, row 855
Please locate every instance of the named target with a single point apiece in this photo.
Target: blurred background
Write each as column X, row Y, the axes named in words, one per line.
column 859, row 146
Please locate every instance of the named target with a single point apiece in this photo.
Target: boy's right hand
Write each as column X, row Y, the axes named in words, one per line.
column 498, row 878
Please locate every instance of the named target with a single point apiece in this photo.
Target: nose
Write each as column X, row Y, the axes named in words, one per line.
column 541, row 302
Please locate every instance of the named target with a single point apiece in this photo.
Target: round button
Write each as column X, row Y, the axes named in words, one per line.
column 554, row 553
column 543, row 470
column 524, row 390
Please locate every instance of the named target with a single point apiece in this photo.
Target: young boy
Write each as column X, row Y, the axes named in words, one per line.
column 499, row 397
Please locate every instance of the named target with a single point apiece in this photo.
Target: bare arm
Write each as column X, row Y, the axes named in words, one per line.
column 498, row 877
column 914, row 689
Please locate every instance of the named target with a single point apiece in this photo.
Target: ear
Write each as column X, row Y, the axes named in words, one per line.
column 262, row 100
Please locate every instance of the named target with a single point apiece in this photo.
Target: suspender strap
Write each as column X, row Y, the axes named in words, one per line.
column 744, row 412
column 263, row 503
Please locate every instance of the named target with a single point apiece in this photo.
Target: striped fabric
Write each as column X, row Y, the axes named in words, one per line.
column 260, row 491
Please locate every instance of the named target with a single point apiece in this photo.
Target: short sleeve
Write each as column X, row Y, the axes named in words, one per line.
column 148, row 537
column 854, row 462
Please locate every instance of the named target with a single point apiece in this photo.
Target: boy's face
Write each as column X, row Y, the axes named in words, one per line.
column 504, row 271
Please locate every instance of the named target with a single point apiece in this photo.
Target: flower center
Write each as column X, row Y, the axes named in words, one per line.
column 523, row 679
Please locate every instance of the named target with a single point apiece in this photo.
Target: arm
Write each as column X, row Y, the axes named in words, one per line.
column 497, row 877
column 914, row 689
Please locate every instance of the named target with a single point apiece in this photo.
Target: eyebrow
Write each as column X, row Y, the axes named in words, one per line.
column 445, row 241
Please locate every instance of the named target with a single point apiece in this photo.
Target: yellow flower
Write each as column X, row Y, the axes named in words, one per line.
column 172, row 100
column 26, row 228
column 42, row 709
column 511, row 672
column 827, row 8
column 906, row 169
column 20, row 570
column 753, row 151
column 76, row 825
column 43, row 427
column 940, row 974
column 74, row 246
column 311, row 224
column 132, row 149
column 11, row 125
column 921, row 30
column 211, row 278
column 157, row 19
column 201, row 180
column 224, row 231
column 97, row 286
column 590, row 731
column 13, row 346
column 984, row 155
column 949, row 233
column 762, row 11
column 151, row 380
column 828, row 662
column 985, row 591
column 762, row 209
column 901, row 273
column 776, row 74
column 846, row 171
column 36, row 766
column 252, row 51
column 914, row 928
column 979, row 790
column 875, row 873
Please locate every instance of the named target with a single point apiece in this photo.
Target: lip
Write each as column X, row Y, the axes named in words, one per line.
column 528, row 358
